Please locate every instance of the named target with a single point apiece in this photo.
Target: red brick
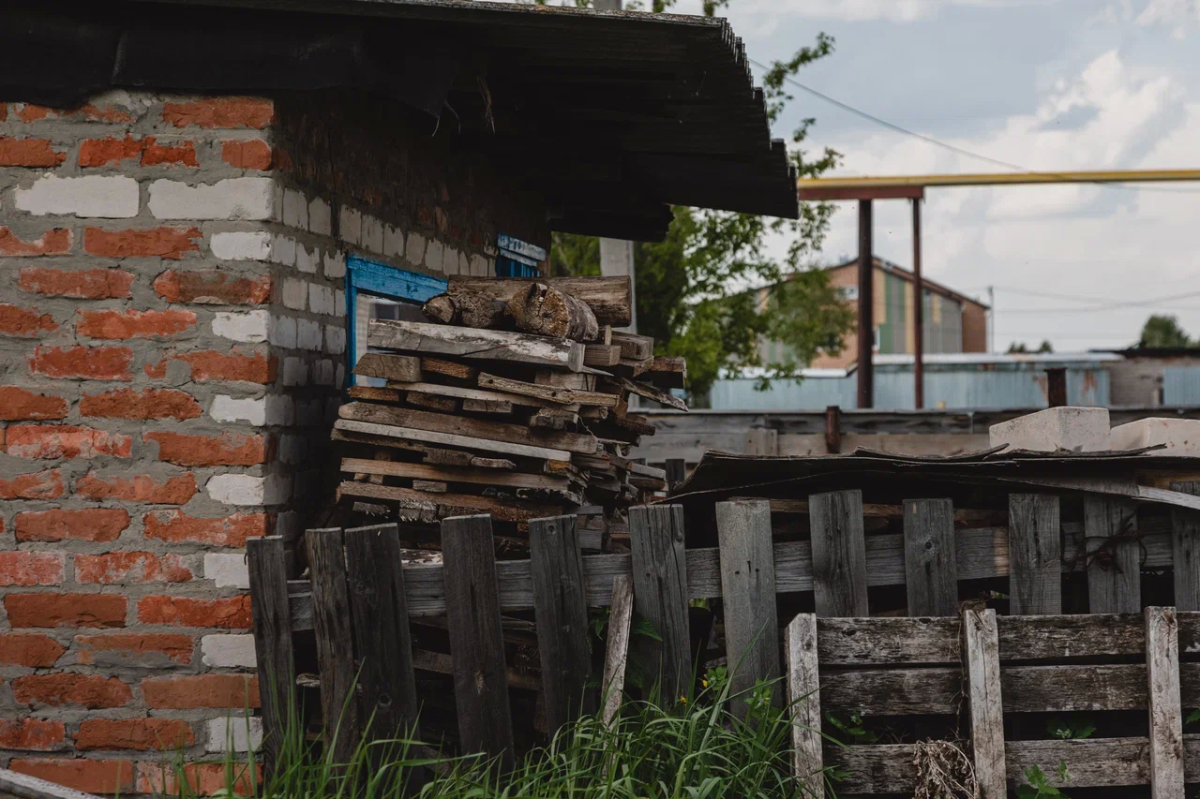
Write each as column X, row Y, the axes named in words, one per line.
column 212, row 288
column 122, row 649
column 31, row 650
column 220, row 112
column 31, row 568
column 150, row 403
column 92, row 524
column 81, row 774
column 109, row 152
column 210, row 365
column 227, row 449
column 248, row 154
column 134, row 324
column 29, row 152
column 86, row 363
column 65, row 610
column 85, row 284
column 56, row 241
column 139, row 734
column 201, row 691
column 27, row 112
column 52, row 690
column 232, row 613
column 64, row 441
column 139, row 488
column 197, row 779
column 3, row 112
column 34, row 485
column 227, row 531
column 131, row 567
column 20, row 405
column 159, row 242
column 180, row 154
column 33, row 735
column 24, row 322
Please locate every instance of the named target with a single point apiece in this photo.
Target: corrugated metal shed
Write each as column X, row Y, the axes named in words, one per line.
column 1181, row 385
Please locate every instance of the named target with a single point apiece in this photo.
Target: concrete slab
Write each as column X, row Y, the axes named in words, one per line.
column 1055, row 429
column 1181, row 436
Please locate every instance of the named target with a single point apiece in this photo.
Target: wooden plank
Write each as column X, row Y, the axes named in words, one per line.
column 476, row 637
column 1166, row 716
column 748, row 588
column 498, row 407
column 648, row 392
column 892, row 692
column 475, row 344
column 473, row 394
column 271, row 617
column 448, row 368
column 375, row 394
column 839, row 558
column 1035, row 550
column 441, row 663
column 451, row 440
column 762, row 441
column 931, row 565
column 601, row 355
column 335, row 640
column 1114, row 571
column 450, row 474
column 463, row 427
column 981, row 667
column 1185, row 550
column 804, row 703
column 633, row 346
column 14, row 785
column 890, row 641
column 880, row 768
column 406, row 368
column 616, row 653
column 610, row 298
column 562, row 619
column 548, row 394
column 676, row 473
column 507, row 510
column 387, row 690
column 1054, row 637
column 1092, row 762
column 432, row 402
column 660, row 588
column 966, row 517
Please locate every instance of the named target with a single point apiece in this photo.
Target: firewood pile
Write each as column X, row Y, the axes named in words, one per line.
column 514, row 400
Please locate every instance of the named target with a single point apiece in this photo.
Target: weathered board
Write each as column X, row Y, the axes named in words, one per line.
column 271, row 617
column 931, row 564
column 1035, row 547
column 660, row 590
column 335, row 640
column 839, row 558
column 474, row 344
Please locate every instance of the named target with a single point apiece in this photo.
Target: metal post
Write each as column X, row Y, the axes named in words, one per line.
column 866, row 308
column 1056, row 386
column 918, row 312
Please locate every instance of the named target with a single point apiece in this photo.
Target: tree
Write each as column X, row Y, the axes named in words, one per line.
column 710, row 291
column 1163, row 331
column 1019, row 347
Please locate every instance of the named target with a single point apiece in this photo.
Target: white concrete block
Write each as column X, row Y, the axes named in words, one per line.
column 226, row 570
column 104, row 197
column 464, row 263
column 372, row 233
column 237, row 489
column 481, row 266
column 335, row 339
column 434, row 253
column 233, row 198
column 283, row 250
column 241, row 245
column 349, row 225
column 228, row 651
column 234, row 733
column 295, row 372
column 450, row 265
column 339, row 303
column 1181, row 436
column 335, row 265
column 308, row 334
column 323, row 373
column 247, row 326
column 280, row 409
column 320, row 217
column 295, row 209
column 239, row 409
column 276, row 202
column 306, row 261
column 295, row 294
column 339, row 379
column 414, row 249
column 283, row 331
column 1055, row 429
column 320, row 299
column 293, row 449
column 393, row 242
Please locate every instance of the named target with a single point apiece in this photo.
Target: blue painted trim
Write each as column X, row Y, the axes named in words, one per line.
column 373, row 277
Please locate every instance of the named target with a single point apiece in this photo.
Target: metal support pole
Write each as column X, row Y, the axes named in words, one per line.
column 1056, row 386
column 866, row 308
column 918, row 312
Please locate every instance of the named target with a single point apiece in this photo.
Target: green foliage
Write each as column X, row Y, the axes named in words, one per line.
column 1037, row 784
column 1192, row 717
column 850, row 729
column 1162, row 330
column 1021, row 347
column 1075, row 728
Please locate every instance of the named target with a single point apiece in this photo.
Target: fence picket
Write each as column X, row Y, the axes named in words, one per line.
column 748, row 589
column 660, row 592
column 930, row 562
column 839, row 554
column 476, row 637
column 1035, row 555
column 335, row 640
column 1185, row 545
column 981, row 664
column 1166, row 716
column 272, row 626
column 562, row 622
column 1114, row 573
column 804, row 701
column 617, row 651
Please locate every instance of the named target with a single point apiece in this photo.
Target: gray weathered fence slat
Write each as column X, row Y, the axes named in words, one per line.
column 272, row 625
column 335, row 640
column 562, row 622
column 1092, row 763
column 660, row 594
column 981, row 664
column 748, row 589
column 839, row 556
column 476, row 637
column 804, row 702
column 930, row 562
column 1166, row 715
column 617, row 650
column 1115, row 580
column 1035, row 555
column 386, row 682
column 1185, row 551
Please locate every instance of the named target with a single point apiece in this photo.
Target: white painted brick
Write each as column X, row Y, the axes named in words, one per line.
column 339, row 380
column 414, row 249
column 480, row 266
column 239, row 409
column 393, row 241
column 237, row 489
column 335, row 339
column 241, row 246
column 320, row 217
column 295, row 209
column 247, row 326
column 105, row 197
column 276, row 202
column 339, row 303
column 283, row 250
column 464, row 264
column 228, row 651
column 293, row 449
column 372, row 233
column 234, row 733
column 234, row 198
column 280, row 410
column 450, row 264
column 306, row 261
column 227, row 570
column 1071, row 429
column 349, row 225
column 295, row 372
column 295, row 294
column 335, row 265
column 283, row 332
column 308, row 334
column 320, row 299
column 434, row 253
column 1180, row 436
column 323, row 373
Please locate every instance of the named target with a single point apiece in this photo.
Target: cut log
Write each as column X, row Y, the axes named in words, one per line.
column 610, row 298
column 474, row 344
column 441, row 309
column 389, row 367
column 562, row 396
column 544, row 311
column 633, row 346
column 480, row 310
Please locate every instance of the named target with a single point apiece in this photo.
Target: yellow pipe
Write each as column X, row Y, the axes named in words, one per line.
column 1003, row 178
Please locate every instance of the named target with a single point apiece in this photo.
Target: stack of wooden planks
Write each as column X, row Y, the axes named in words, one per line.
column 472, row 413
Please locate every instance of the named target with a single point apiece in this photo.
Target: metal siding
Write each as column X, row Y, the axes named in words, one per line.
column 1181, row 385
